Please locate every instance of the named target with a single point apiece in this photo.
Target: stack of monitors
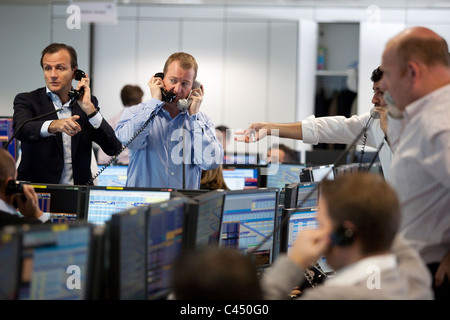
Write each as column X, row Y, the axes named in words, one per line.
column 113, row 176
column 56, row 262
column 240, row 177
column 146, row 241
column 63, row 203
column 249, row 218
column 285, row 174
column 103, row 202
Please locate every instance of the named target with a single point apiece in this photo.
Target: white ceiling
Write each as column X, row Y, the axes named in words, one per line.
column 306, row 3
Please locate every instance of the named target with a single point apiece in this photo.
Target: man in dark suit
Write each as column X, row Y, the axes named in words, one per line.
column 26, row 201
column 58, row 148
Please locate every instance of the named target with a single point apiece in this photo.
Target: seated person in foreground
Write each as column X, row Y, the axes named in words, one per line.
column 358, row 218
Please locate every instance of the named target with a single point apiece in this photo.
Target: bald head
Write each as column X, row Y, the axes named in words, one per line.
column 422, row 45
column 415, row 62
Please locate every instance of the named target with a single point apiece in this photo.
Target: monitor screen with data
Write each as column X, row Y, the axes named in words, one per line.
column 249, row 218
column 103, row 202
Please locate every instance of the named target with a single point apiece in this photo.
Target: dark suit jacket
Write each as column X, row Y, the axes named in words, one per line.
column 42, row 158
column 7, row 219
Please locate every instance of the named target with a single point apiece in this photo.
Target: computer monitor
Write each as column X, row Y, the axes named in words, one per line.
column 56, row 262
column 6, row 132
column 308, row 194
column 165, row 235
column 127, row 255
column 286, row 174
column 300, row 219
column 249, row 219
column 204, row 219
column 318, row 173
column 239, row 177
column 103, row 202
column 290, row 195
column 10, row 263
column 113, row 176
column 63, row 203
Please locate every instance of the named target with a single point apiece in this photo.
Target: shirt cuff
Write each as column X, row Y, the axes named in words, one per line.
column 44, row 129
column 44, row 217
column 96, row 120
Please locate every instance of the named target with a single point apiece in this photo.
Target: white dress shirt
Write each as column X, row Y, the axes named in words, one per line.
column 67, row 174
column 420, row 172
column 339, row 129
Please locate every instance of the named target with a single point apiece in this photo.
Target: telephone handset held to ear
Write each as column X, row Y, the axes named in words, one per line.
column 76, row 94
column 342, row 237
column 167, row 96
column 15, row 187
column 184, row 104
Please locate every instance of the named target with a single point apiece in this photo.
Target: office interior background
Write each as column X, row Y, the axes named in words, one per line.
column 258, row 60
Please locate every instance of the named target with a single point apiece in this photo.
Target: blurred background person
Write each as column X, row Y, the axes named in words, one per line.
column 130, row 95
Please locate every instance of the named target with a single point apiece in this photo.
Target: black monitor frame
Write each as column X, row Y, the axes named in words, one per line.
column 75, row 196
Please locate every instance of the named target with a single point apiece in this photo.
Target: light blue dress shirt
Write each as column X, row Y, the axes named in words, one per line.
column 156, row 153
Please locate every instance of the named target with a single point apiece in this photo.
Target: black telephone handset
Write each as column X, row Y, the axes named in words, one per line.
column 342, row 237
column 15, row 187
column 167, row 96
column 76, row 94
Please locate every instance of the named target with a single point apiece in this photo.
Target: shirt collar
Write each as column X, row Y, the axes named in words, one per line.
column 55, row 99
column 7, row 207
column 416, row 107
column 362, row 269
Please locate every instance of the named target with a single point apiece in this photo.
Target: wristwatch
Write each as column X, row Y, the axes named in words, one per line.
column 91, row 115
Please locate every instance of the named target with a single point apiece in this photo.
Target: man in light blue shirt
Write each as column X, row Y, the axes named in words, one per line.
column 159, row 156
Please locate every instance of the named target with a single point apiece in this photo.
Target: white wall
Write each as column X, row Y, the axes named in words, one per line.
column 132, row 50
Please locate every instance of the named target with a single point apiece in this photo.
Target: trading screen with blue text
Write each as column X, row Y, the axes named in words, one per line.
column 104, row 202
column 47, row 254
column 165, row 242
column 286, row 174
column 248, row 219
